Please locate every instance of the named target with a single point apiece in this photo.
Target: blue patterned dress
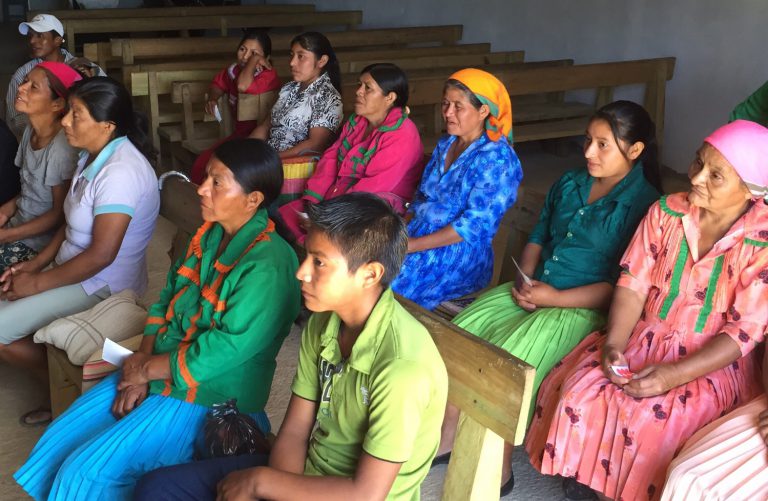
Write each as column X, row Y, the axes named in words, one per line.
column 472, row 196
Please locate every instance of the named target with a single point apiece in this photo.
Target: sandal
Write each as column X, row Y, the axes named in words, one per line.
column 28, row 418
column 441, row 459
column 508, row 485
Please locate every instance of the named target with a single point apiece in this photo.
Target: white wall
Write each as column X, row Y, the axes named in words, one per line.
column 721, row 46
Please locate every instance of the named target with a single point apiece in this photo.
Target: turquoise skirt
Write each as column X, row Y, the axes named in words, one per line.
column 88, row 454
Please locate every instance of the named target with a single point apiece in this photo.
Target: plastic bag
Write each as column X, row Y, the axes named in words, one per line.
column 228, row 432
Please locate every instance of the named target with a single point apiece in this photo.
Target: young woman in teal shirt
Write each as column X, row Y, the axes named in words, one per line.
column 572, row 255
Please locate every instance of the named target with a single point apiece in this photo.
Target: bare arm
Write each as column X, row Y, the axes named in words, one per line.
column 625, row 311
column 214, row 93
column 262, row 130
column 440, row 238
column 290, row 450
column 245, row 78
column 41, row 224
column 317, row 141
column 7, row 210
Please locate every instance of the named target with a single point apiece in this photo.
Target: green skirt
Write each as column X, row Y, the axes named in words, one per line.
column 541, row 338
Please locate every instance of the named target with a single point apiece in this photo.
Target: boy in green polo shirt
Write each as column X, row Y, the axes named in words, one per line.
column 370, row 389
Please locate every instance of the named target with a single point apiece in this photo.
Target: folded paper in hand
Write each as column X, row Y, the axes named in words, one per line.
column 114, row 353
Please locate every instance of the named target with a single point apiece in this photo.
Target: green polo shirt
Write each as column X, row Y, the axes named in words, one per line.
column 387, row 399
column 223, row 327
column 753, row 108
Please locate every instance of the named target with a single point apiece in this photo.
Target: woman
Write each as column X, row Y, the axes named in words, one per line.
column 379, row 150
column 468, row 184
column 573, row 253
column 251, row 74
column 47, row 163
column 308, row 111
column 110, row 212
column 213, row 336
column 677, row 350
column 728, row 458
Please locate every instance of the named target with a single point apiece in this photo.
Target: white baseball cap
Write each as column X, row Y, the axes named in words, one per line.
column 42, row 23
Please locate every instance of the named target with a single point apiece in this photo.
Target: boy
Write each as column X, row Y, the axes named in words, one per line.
column 370, row 389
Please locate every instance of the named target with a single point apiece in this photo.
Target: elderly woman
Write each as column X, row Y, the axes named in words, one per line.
column 379, row 150
column 687, row 312
column 213, row 336
column 110, row 213
column 47, row 163
column 308, row 111
column 468, row 184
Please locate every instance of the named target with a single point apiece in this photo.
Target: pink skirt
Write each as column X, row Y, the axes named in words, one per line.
column 727, row 459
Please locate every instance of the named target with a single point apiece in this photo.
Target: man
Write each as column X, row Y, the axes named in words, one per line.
column 370, row 388
column 46, row 36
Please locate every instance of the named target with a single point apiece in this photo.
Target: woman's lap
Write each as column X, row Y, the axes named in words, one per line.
column 24, row 316
column 88, row 454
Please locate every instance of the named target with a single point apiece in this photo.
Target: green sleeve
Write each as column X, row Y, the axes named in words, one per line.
column 400, row 395
column 256, row 313
column 754, row 108
column 156, row 313
column 306, row 383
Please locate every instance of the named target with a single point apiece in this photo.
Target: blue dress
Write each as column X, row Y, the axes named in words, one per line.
column 471, row 196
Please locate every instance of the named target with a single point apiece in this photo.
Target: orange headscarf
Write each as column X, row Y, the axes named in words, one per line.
column 491, row 92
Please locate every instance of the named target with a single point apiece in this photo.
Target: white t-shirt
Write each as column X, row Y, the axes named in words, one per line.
column 119, row 180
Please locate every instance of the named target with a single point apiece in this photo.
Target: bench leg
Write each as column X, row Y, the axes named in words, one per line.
column 474, row 472
column 64, row 391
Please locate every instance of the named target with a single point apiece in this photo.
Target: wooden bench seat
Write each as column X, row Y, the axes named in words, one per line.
column 219, row 10
column 74, row 27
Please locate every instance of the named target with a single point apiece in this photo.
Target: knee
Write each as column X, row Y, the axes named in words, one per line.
column 150, row 487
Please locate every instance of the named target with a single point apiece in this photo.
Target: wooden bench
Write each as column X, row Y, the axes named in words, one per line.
column 131, row 51
column 67, row 14
column 74, row 27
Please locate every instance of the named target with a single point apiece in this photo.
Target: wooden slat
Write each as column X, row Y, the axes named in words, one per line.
column 223, row 23
column 487, row 383
column 64, row 15
column 358, row 39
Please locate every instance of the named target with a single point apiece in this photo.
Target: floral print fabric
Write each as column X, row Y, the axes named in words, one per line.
column 586, row 427
column 472, row 196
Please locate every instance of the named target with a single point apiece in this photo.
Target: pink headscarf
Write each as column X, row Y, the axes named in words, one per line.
column 745, row 145
column 65, row 74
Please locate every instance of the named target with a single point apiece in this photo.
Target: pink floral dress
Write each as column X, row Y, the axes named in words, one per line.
column 586, row 427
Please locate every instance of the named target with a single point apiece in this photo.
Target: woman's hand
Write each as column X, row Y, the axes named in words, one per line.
column 652, row 380
column 239, row 485
column 210, row 106
column 19, row 281
column 613, row 356
column 128, row 399
column 522, row 303
column 134, row 370
column 538, row 294
column 258, row 62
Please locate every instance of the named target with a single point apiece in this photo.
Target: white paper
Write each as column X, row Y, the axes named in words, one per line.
column 522, row 274
column 114, row 353
column 217, row 113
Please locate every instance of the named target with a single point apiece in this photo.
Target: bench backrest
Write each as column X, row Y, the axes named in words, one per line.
column 73, row 27
column 219, row 10
column 491, row 387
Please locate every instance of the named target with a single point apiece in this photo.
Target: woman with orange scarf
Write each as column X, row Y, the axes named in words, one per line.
column 470, row 182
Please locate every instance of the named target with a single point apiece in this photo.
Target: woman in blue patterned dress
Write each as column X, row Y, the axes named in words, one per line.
column 470, row 182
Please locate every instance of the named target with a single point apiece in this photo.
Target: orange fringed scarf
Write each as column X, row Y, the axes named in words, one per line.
column 491, row 92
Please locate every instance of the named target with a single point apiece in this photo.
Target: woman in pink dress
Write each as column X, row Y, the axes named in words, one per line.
column 727, row 459
column 690, row 306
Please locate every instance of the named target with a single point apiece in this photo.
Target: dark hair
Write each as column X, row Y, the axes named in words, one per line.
column 390, row 78
column 318, row 44
column 473, row 100
column 630, row 123
column 108, row 101
column 365, row 228
column 260, row 36
column 255, row 165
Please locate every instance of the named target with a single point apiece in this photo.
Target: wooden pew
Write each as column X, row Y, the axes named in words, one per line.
column 131, row 51
column 67, row 14
column 73, row 27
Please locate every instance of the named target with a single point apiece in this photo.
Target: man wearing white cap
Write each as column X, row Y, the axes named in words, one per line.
column 46, row 36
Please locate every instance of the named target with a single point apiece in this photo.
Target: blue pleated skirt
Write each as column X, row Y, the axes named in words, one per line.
column 88, row 454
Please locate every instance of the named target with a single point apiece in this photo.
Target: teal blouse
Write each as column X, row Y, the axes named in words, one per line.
column 582, row 243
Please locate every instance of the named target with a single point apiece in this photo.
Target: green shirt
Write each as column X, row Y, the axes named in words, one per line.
column 223, row 321
column 582, row 243
column 387, row 399
column 754, row 108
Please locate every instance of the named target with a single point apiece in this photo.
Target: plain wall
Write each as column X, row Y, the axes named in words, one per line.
column 720, row 46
